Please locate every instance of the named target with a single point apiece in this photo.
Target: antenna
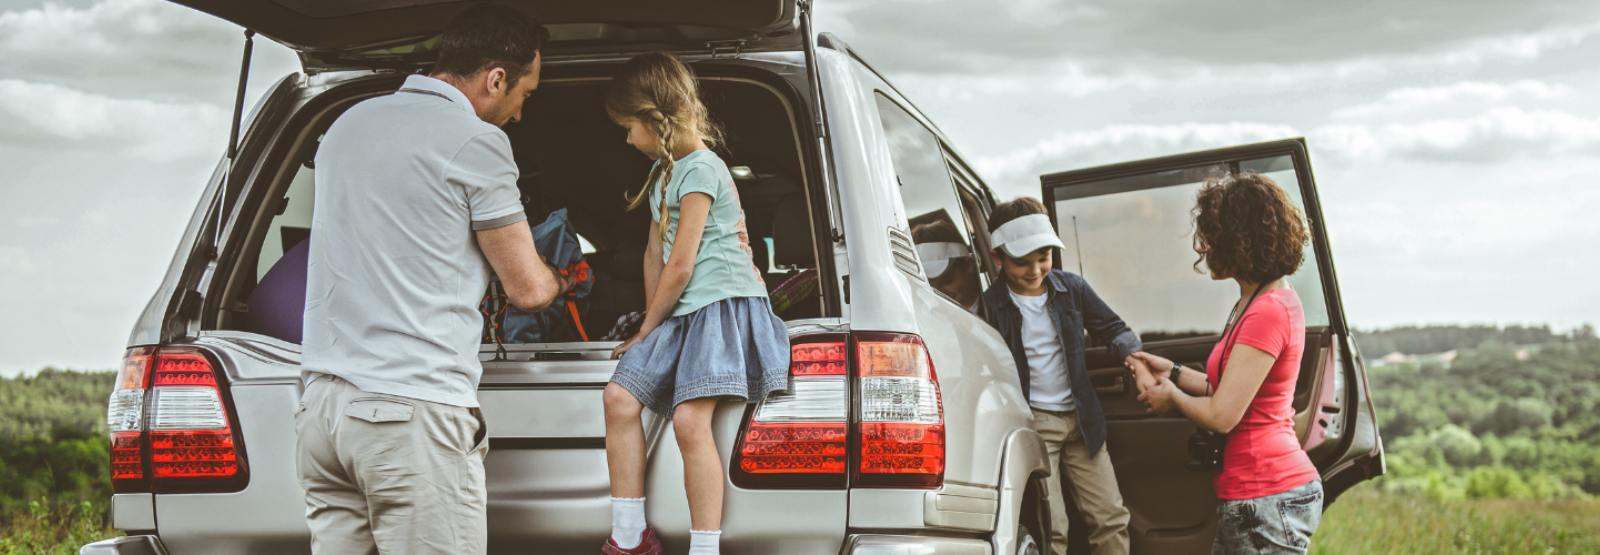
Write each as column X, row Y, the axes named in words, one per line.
column 1077, row 244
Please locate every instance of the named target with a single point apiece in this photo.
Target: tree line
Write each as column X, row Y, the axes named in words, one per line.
column 1502, row 420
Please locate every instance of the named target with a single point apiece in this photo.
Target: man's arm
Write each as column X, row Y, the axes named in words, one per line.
column 529, row 283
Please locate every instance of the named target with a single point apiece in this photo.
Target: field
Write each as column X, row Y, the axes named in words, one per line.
column 1368, row 521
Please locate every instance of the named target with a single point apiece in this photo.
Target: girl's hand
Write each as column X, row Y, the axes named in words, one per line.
column 1158, row 399
column 623, row 348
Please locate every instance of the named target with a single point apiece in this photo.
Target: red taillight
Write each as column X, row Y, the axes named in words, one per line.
column 802, row 438
column 171, row 427
column 901, row 414
column 125, row 419
column 794, row 448
column 799, row 438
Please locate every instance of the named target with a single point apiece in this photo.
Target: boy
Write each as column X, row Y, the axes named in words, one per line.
column 1042, row 313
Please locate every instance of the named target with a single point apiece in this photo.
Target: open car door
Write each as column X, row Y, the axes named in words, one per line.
column 1128, row 229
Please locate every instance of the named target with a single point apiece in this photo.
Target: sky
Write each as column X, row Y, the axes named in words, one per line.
column 1456, row 144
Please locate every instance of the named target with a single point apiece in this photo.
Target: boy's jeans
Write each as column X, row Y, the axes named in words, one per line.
column 1094, row 486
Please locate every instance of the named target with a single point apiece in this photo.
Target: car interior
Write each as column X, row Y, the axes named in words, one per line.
column 572, row 156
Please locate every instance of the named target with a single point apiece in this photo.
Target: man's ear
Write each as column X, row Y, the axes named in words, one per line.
column 494, row 80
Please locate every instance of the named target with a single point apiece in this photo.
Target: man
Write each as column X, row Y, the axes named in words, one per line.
column 415, row 190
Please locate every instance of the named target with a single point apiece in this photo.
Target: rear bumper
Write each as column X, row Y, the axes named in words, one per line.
column 884, row 544
column 126, row 545
column 857, row 544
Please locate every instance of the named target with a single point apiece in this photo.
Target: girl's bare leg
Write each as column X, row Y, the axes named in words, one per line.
column 702, row 467
column 625, row 442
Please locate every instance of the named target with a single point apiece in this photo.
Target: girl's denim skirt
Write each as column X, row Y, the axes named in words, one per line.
column 734, row 347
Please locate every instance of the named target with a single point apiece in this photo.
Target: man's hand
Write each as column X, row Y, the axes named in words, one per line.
column 1158, row 399
column 564, row 283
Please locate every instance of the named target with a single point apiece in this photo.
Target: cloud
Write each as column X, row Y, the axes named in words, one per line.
column 936, row 37
column 1494, row 136
column 57, row 117
column 1410, row 100
column 129, row 48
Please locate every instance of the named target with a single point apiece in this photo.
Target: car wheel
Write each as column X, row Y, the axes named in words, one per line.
column 1026, row 543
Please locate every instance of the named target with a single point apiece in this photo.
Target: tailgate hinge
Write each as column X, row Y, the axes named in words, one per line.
column 718, row 47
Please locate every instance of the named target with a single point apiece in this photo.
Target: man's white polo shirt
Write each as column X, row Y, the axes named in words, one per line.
column 395, row 275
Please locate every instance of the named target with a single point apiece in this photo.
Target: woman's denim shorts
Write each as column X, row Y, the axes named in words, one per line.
column 1279, row 523
column 733, row 347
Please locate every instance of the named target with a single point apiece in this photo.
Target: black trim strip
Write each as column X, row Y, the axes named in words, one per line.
column 546, row 443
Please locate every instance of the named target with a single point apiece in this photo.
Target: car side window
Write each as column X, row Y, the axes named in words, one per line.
column 977, row 224
column 292, row 225
column 934, row 211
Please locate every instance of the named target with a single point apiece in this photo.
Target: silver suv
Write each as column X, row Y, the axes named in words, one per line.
column 906, row 430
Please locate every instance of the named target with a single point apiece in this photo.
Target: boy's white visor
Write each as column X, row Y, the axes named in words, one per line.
column 1024, row 235
column 936, row 257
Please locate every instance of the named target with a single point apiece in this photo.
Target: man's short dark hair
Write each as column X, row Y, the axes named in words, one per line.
column 1013, row 209
column 488, row 36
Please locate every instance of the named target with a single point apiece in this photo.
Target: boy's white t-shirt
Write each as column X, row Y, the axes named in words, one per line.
column 1048, row 384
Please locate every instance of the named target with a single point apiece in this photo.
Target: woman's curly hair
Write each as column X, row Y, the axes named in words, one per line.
column 1247, row 228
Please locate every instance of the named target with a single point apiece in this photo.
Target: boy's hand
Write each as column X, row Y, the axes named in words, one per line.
column 1155, row 364
column 1143, row 375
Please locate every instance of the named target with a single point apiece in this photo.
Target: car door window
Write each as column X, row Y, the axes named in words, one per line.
column 938, row 223
column 1132, row 238
column 292, row 225
column 977, row 225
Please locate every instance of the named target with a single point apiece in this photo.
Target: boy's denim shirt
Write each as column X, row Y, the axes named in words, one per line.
column 1075, row 308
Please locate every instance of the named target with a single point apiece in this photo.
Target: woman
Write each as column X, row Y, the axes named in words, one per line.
column 1247, row 230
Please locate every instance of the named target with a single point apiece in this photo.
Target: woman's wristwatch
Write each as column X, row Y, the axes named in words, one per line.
column 1177, row 370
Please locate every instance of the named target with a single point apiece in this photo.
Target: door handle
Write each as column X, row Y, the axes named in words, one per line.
column 1109, row 383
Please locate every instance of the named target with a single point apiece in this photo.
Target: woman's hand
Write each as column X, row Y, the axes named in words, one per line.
column 1158, row 399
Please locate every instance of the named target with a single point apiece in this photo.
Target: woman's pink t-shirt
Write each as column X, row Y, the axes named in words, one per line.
column 1263, row 456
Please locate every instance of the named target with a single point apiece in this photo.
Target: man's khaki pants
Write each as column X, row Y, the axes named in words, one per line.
column 1094, row 486
column 388, row 474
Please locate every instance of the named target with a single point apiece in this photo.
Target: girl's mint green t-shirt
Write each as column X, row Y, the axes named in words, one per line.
column 724, row 267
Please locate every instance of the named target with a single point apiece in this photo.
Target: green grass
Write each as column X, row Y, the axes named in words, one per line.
column 1362, row 521
column 1368, row 521
column 48, row 528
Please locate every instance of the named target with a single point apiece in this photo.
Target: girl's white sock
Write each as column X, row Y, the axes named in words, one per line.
column 627, row 521
column 703, row 542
